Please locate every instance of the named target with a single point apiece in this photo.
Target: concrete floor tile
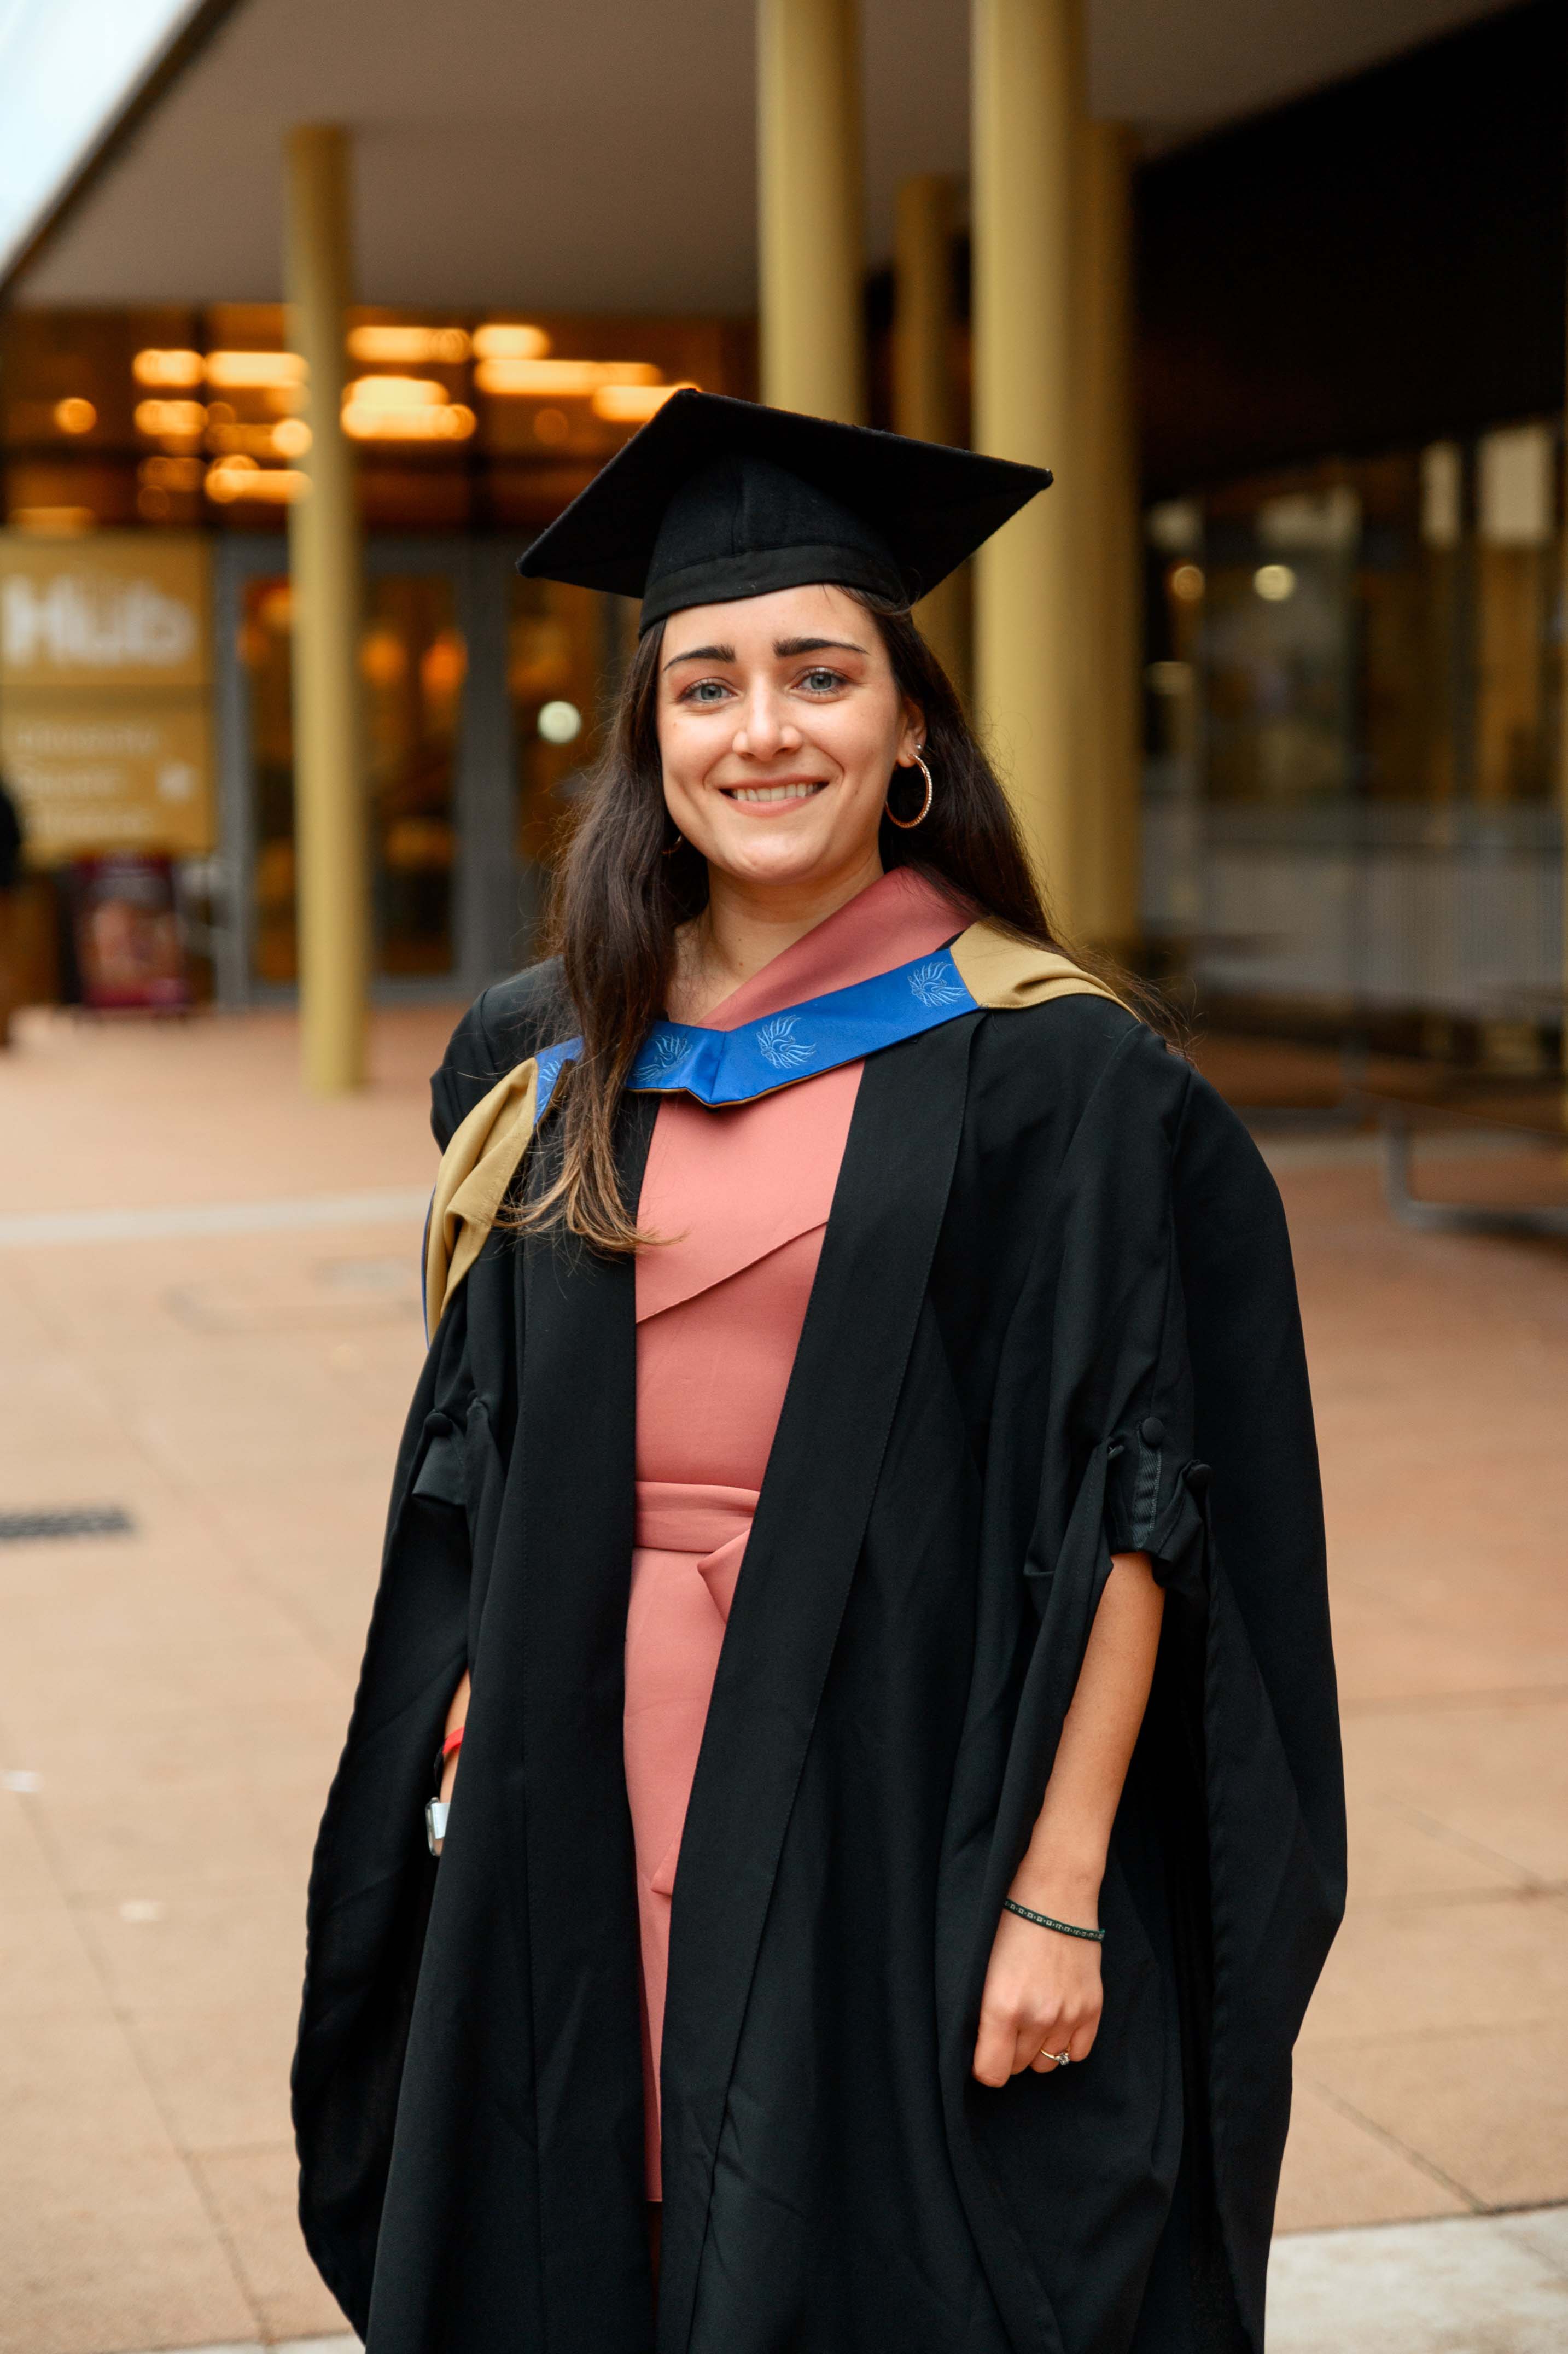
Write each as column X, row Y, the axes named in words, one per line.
column 1487, row 2107
column 222, row 2076
column 135, row 1680
column 313, row 1547
column 26, row 1881
column 1464, row 2286
column 147, row 1611
column 1394, row 1860
column 104, row 2238
column 203, row 1837
column 58, row 1435
column 214, row 1113
column 1544, row 2232
column 1493, row 1773
column 1340, row 2170
column 46, row 1968
column 1390, row 1652
column 1435, row 1969
column 242, row 1951
column 272, row 1739
column 204, row 1428
column 256, row 2193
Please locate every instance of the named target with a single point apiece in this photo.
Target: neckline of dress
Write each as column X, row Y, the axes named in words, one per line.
column 902, row 916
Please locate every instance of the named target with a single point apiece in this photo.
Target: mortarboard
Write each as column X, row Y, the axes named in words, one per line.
column 714, row 499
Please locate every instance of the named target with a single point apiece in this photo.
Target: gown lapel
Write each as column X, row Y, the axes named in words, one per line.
column 810, row 1521
column 579, row 1928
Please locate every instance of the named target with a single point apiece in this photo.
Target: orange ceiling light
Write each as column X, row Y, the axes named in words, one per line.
column 291, row 439
column 175, row 369
column 75, row 414
column 228, row 479
column 393, row 392
column 163, row 420
column 498, row 341
column 634, row 404
column 404, row 409
column 254, row 371
column 556, row 379
column 407, row 346
column 445, row 421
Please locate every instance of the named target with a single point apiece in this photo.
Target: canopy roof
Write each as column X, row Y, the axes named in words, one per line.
column 596, row 157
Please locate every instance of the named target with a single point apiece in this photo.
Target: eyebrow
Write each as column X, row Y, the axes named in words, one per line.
column 703, row 653
column 784, row 649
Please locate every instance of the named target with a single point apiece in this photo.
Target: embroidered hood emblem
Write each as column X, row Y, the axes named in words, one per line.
column 660, row 1059
column 935, row 984
column 777, row 1044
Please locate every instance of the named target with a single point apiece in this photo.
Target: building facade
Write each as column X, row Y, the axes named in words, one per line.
column 1348, row 345
column 146, row 702
column 1352, row 332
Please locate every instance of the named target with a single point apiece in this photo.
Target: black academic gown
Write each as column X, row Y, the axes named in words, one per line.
column 1055, row 1317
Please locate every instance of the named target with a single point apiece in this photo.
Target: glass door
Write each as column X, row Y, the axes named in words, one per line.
column 483, row 703
column 413, row 661
column 444, row 885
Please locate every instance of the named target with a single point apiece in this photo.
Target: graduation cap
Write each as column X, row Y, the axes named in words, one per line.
column 715, row 499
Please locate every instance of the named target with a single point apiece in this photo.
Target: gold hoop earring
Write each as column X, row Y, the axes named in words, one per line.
column 909, row 823
column 676, row 845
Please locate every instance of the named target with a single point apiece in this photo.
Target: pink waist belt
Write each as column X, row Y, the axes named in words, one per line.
column 710, row 1524
column 672, row 1516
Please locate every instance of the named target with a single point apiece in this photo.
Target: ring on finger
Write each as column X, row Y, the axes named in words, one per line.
column 1061, row 2059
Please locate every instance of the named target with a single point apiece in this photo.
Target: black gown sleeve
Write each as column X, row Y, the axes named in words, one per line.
column 373, row 1877
column 1274, row 1779
column 1181, row 1425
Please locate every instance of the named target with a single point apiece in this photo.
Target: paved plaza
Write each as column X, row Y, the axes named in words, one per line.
column 209, row 1325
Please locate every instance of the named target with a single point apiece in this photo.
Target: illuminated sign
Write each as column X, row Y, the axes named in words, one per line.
column 111, row 609
column 104, row 669
column 109, row 772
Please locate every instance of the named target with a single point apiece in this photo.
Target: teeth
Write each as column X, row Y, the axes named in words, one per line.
column 771, row 792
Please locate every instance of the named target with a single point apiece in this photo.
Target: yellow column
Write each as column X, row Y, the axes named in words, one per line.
column 1109, row 799
column 923, row 402
column 809, row 208
column 1026, row 85
column 325, row 561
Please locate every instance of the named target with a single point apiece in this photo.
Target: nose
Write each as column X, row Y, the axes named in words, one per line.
column 765, row 731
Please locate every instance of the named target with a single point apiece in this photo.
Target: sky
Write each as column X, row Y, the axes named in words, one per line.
column 66, row 68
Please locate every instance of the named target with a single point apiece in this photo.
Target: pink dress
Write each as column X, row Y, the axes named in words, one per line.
column 743, row 1193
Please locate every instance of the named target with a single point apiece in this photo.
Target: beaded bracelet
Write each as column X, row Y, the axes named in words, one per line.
column 1043, row 1921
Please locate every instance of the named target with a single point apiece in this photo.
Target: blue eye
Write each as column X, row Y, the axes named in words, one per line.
column 705, row 690
column 821, row 681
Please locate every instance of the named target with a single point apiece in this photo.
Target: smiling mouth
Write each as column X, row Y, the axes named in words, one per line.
column 802, row 791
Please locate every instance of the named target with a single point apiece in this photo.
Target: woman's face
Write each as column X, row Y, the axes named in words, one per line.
column 779, row 727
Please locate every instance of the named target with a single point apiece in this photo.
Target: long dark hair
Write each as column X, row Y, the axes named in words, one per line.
column 620, row 895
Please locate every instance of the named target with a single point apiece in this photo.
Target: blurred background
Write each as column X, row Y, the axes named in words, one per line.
column 310, row 318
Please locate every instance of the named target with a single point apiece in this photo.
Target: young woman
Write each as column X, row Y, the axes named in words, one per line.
column 855, row 1556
